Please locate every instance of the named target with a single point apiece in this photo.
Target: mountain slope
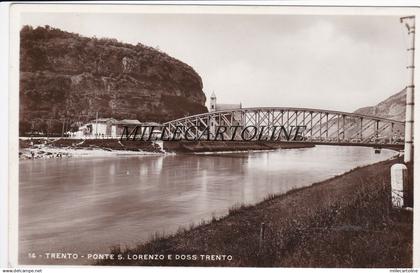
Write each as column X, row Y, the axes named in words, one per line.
column 392, row 107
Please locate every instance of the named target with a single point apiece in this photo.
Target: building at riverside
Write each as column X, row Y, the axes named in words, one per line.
column 113, row 128
column 110, row 128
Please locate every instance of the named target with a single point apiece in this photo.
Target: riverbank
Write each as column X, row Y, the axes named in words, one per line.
column 345, row 221
column 62, row 147
column 229, row 146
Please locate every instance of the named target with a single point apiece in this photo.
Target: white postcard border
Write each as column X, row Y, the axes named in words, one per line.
column 13, row 119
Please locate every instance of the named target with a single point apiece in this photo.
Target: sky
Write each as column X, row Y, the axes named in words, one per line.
column 314, row 61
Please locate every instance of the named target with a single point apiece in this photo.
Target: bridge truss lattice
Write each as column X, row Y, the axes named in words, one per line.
column 319, row 126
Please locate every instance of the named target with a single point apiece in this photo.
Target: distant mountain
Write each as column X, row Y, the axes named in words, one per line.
column 392, row 108
column 65, row 76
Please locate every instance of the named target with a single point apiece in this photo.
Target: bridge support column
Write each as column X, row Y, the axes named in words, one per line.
column 344, row 127
column 338, row 128
column 312, row 125
column 327, row 127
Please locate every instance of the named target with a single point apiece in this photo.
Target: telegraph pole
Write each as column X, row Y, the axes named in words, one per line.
column 399, row 172
column 409, row 22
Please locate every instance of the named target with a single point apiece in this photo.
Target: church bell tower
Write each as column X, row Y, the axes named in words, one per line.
column 213, row 102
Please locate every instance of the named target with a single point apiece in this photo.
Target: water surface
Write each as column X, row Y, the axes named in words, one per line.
column 87, row 205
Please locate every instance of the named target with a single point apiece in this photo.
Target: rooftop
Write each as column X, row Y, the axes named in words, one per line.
column 128, row 122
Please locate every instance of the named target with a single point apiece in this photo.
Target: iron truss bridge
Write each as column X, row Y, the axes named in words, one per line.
column 291, row 124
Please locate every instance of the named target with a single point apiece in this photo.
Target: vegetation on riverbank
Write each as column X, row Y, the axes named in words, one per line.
column 345, row 221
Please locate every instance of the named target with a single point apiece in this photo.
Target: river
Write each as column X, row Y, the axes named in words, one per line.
column 86, row 205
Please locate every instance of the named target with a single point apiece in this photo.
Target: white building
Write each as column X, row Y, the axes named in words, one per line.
column 101, row 127
column 112, row 128
column 214, row 106
column 97, row 128
column 237, row 117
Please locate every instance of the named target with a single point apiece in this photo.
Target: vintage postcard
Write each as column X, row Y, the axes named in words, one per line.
column 205, row 135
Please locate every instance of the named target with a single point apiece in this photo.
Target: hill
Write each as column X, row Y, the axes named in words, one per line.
column 391, row 108
column 64, row 76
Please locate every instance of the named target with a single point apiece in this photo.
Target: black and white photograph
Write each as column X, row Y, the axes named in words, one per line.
column 212, row 136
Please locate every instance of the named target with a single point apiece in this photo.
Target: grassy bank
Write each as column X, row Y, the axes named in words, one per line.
column 345, row 221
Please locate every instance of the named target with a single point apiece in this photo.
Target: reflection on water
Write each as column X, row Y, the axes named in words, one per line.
column 88, row 205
